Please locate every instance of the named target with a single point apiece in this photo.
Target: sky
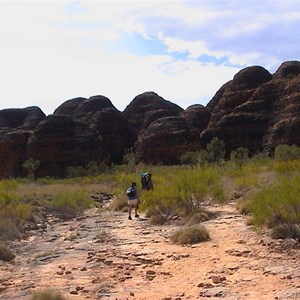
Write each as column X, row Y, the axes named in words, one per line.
column 54, row 51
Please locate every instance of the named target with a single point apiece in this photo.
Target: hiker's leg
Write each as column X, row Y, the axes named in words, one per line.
column 136, row 208
column 129, row 211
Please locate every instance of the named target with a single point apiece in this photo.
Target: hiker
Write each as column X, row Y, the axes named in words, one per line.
column 133, row 200
column 146, row 181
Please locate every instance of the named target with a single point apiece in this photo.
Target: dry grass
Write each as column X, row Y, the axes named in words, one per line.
column 284, row 231
column 47, row 294
column 198, row 217
column 190, row 235
column 5, row 253
column 9, row 231
column 118, row 204
column 157, row 219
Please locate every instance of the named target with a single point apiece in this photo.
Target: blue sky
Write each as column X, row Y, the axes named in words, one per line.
column 53, row 51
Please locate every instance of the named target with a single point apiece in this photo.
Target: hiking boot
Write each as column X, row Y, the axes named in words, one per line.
column 136, row 215
column 129, row 218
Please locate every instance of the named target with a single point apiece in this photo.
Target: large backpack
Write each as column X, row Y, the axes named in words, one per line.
column 145, row 181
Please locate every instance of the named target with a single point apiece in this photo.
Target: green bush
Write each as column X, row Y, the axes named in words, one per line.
column 31, row 165
column 287, row 168
column 182, row 190
column 239, row 156
column 286, row 153
column 73, row 172
column 5, row 253
column 13, row 212
column 277, row 204
column 190, row 235
column 47, row 294
column 216, row 150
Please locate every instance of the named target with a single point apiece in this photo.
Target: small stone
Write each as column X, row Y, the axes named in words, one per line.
column 73, row 292
column 218, row 279
column 60, row 273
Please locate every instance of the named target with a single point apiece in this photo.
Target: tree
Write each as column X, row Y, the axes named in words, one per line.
column 216, row 150
column 130, row 159
column 239, row 156
column 31, row 166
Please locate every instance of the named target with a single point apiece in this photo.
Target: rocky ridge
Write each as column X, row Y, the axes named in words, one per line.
column 256, row 110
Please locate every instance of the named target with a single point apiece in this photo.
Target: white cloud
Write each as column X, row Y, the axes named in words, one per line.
column 56, row 50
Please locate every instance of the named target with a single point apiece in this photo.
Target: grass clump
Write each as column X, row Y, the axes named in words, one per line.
column 157, row 219
column 9, row 230
column 198, row 217
column 118, row 204
column 47, row 294
column 190, row 235
column 14, row 213
column 5, row 253
column 285, row 231
column 182, row 190
column 68, row 204
column 276, row 206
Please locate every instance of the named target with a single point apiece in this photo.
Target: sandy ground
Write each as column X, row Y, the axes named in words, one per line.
column 107, row 256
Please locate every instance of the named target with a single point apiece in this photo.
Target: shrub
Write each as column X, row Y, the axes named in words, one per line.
column 9, row 231
column 73, row 172
column 284, row 231
column 189, row 158
column 157, row 219
column 216, row 150
column 239, row 156
column 286, row 152
column 47, row 294
column 5, row 253
column 287, row 167
column 190, row 235
column 31, row 165
column 277, row 204
column 198, row 217
column 181, row 190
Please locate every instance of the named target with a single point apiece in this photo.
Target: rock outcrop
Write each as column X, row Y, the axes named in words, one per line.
column 257, row 110
column 27, row 118
column 13, row 148
column 164, row 141
column 99, row 113
column 147, row 108
column 59, row 142
column 284, row 126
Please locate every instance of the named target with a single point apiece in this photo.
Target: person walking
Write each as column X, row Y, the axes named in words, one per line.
column 133, row 200
column 146, row 181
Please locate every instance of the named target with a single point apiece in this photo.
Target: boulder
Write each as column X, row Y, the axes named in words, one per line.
column 13, row 148
column 99, row 113
column 22, row 118
column 59, row 142
column 147, row 108
column 164, row 141
column 257, row 116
